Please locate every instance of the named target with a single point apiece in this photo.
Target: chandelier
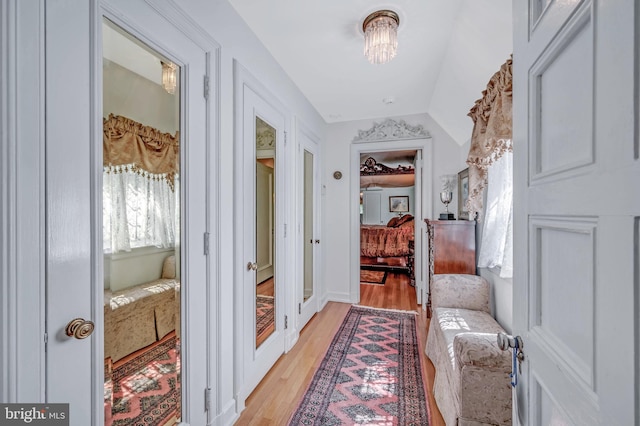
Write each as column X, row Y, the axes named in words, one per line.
column 169, row 76
column 381, row 36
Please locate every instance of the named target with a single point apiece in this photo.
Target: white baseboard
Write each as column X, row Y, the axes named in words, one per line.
column 339, row 297
column 228, row 416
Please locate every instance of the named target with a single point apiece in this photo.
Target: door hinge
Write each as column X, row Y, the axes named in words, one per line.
column 299, row 308
column 206, row 87
column 285, row 137
column 206, row 243
column 46, row 341
column 208, row 400
column 285, row 230
column 286, row 322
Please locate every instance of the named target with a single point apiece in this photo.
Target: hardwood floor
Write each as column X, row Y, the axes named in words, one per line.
column 276, row 397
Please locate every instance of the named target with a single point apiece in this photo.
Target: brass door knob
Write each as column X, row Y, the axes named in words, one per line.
column 79, row 328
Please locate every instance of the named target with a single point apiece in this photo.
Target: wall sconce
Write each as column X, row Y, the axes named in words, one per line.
column 169, row 77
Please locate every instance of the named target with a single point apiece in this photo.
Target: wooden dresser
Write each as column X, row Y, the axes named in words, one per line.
column 452, row 249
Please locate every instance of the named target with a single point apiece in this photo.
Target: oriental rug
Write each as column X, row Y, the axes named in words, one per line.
column 372, row 277
column 371, row 374
column 143, row 389
column 264, row 315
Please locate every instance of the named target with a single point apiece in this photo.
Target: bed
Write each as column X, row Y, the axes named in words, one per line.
column 387, row 246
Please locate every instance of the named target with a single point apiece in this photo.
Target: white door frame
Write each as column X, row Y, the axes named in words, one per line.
column 420, row 140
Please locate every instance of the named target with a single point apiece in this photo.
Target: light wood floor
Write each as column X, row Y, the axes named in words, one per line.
column 276, row 397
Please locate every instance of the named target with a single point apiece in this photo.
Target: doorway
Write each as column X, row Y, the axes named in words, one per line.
column 389, row 136
column 387, row 227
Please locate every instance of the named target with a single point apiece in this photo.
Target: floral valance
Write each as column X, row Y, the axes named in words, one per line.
column 141, row 148
column 492, row 132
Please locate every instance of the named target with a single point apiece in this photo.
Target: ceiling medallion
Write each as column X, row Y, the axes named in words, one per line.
column 381, row 36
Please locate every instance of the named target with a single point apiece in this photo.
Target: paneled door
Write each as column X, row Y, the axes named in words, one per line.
column 262, row 296
column 77, row 272
column 576, row 211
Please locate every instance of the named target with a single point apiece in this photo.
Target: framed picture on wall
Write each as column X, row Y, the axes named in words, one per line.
column 463, row 194
column 399, row 203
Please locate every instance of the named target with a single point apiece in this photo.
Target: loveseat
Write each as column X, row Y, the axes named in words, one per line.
column 472, row 384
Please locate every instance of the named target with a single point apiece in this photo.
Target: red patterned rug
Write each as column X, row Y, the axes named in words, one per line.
column 264, row 314
column 372, row 277
column 143, row 389
column 371, row 374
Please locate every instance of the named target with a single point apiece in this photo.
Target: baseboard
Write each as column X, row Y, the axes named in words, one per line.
column 338, row 297
column 291, row 339
column 228, row 416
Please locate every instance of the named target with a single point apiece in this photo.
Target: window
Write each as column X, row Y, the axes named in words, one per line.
column 496, row 249
column 138, row 209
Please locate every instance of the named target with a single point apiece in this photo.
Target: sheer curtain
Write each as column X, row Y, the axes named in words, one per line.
column 496, row 249
column 140, row 186
column 490, row 163
column 138, row 210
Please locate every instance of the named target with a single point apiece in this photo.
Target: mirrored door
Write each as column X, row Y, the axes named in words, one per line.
column 262, row 229
column 141, row 232
column 309, row 219
column 83, row 292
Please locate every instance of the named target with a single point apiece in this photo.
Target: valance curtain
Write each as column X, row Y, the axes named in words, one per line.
column 491, row 165
column 140, row 186
column 492, row 133
column 127, row 142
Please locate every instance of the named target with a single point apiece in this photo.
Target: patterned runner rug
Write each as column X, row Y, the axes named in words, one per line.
column 371, row 374
column 372, row 277
column 143, row 389
column 264, row 314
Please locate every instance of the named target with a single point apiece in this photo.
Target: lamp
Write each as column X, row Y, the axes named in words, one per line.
column 381, row 36
column 169, row 77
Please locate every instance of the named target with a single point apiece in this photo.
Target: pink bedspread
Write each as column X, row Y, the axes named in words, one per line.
column 382, row 241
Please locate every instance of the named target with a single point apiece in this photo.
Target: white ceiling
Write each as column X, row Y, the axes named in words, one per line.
column 447, row 51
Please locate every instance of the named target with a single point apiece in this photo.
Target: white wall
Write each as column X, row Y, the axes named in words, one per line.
column 130, row 95
column 237, row 41
column 385, row 193
column 336, row 202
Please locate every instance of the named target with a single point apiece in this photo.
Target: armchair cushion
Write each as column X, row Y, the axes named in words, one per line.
column 460, row 291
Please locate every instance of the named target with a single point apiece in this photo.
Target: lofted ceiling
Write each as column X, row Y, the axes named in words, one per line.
column 447, row 51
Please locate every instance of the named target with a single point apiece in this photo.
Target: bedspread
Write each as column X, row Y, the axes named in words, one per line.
column 383, row 241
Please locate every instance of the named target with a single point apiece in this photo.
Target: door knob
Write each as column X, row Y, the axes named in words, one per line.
column 79, row 328
column 251, row 266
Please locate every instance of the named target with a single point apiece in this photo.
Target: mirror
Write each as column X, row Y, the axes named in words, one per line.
column 308, row 226
column 265, row 230
column 141, row 232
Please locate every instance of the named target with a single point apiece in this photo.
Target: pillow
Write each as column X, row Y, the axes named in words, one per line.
column 404, row 219
column 393, row 222
column 169, row 267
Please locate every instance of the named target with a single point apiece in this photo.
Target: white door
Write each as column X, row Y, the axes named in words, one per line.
column 576, row 211
column 74, row 170
column 262, row 298
column 309, row 224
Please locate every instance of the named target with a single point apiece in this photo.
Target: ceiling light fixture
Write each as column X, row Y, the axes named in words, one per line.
column 169, row 76
column 381, row 36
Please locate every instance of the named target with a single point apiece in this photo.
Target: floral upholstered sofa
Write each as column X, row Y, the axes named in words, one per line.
column 472, row 384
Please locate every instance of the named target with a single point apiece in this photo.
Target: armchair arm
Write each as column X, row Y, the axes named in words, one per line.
column 460, row 291
column 480, row 350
